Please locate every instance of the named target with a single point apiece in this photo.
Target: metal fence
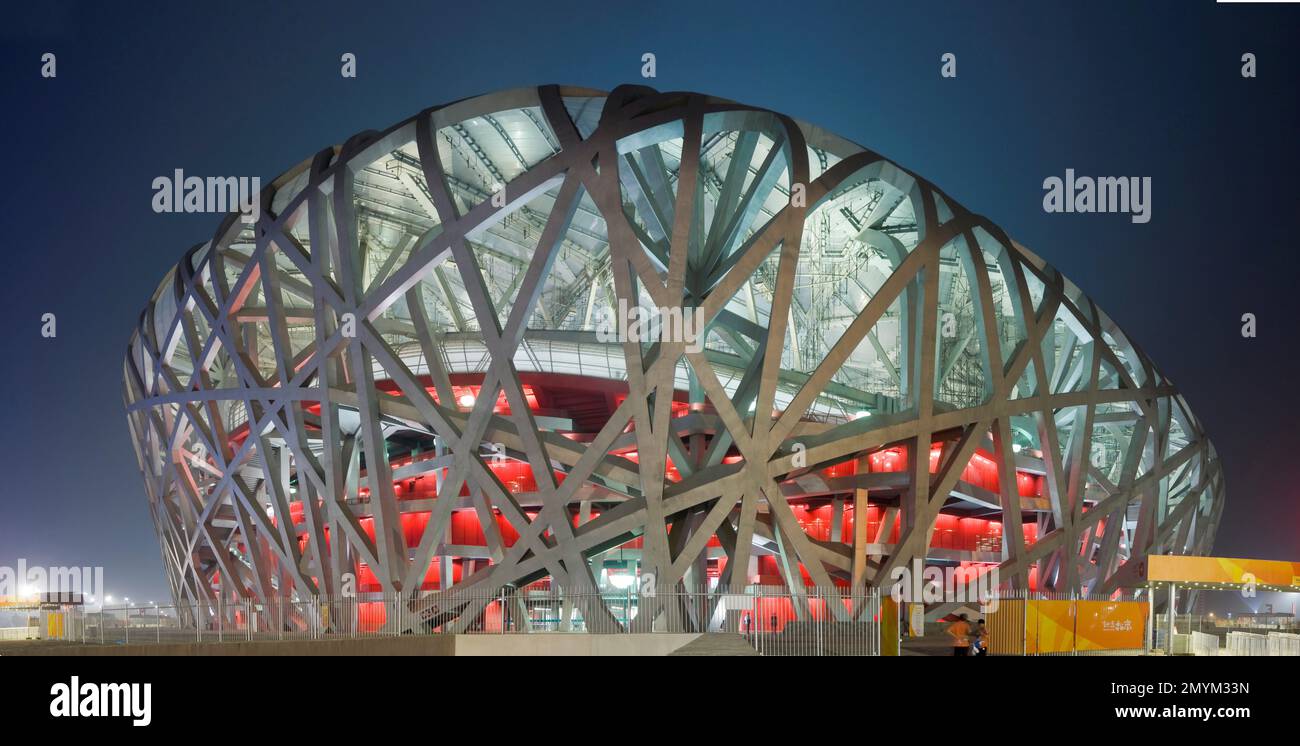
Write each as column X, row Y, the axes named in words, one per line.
column 19, row 633
column 1204, row 644
column 1246, row 643
column 772, row 620
column 1043, row 623
column 1283, row 643
column 1255, row 644
column 825, row 621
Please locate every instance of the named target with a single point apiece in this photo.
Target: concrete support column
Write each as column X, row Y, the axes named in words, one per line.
column 837, row 519
column 860, row 506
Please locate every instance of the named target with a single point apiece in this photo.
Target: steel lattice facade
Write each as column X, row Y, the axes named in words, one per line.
column 395, row 381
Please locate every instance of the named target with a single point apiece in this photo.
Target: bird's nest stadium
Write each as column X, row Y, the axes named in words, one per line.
column 409, row 377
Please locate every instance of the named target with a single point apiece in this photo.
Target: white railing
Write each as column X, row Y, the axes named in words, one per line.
column 1271, row 644
column 18, row 633
column 1283, row 643
column 1205, row 645
column 1246, row 643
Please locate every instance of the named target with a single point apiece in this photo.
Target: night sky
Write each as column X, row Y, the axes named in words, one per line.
column 1137, row 89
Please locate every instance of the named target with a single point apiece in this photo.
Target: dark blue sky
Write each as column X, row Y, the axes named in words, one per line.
column 1145, row 89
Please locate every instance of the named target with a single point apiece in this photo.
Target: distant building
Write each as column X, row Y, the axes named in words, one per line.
column 1259, row 620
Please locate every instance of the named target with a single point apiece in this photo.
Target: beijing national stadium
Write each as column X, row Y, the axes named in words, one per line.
column 400, row 380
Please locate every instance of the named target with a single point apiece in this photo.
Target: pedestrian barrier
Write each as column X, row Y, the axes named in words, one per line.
column 1205, row 645
column 1247, row 643
column 18, row 633
column 1283, row 643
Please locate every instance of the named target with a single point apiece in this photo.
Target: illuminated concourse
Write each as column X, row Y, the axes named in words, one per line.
column 399, row 381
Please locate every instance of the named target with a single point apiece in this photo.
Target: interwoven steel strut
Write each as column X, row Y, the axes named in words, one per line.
column 402, row 299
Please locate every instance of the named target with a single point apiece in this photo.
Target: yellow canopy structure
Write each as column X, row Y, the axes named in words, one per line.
column 1223, row 573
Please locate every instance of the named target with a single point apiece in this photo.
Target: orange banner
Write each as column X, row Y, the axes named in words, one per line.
column 1110, row 625
column 1224, row 570
column 1041, row 627
column 1049, row 627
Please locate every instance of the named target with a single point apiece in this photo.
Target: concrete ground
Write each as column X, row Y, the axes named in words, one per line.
column 933, row 644
column 30, row 647
column 717, row 644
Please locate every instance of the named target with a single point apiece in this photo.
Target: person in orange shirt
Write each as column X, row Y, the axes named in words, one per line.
column 960, row 632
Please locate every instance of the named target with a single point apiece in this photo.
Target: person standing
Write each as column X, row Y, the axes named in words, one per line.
column 960, row 633
column 980, row 645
